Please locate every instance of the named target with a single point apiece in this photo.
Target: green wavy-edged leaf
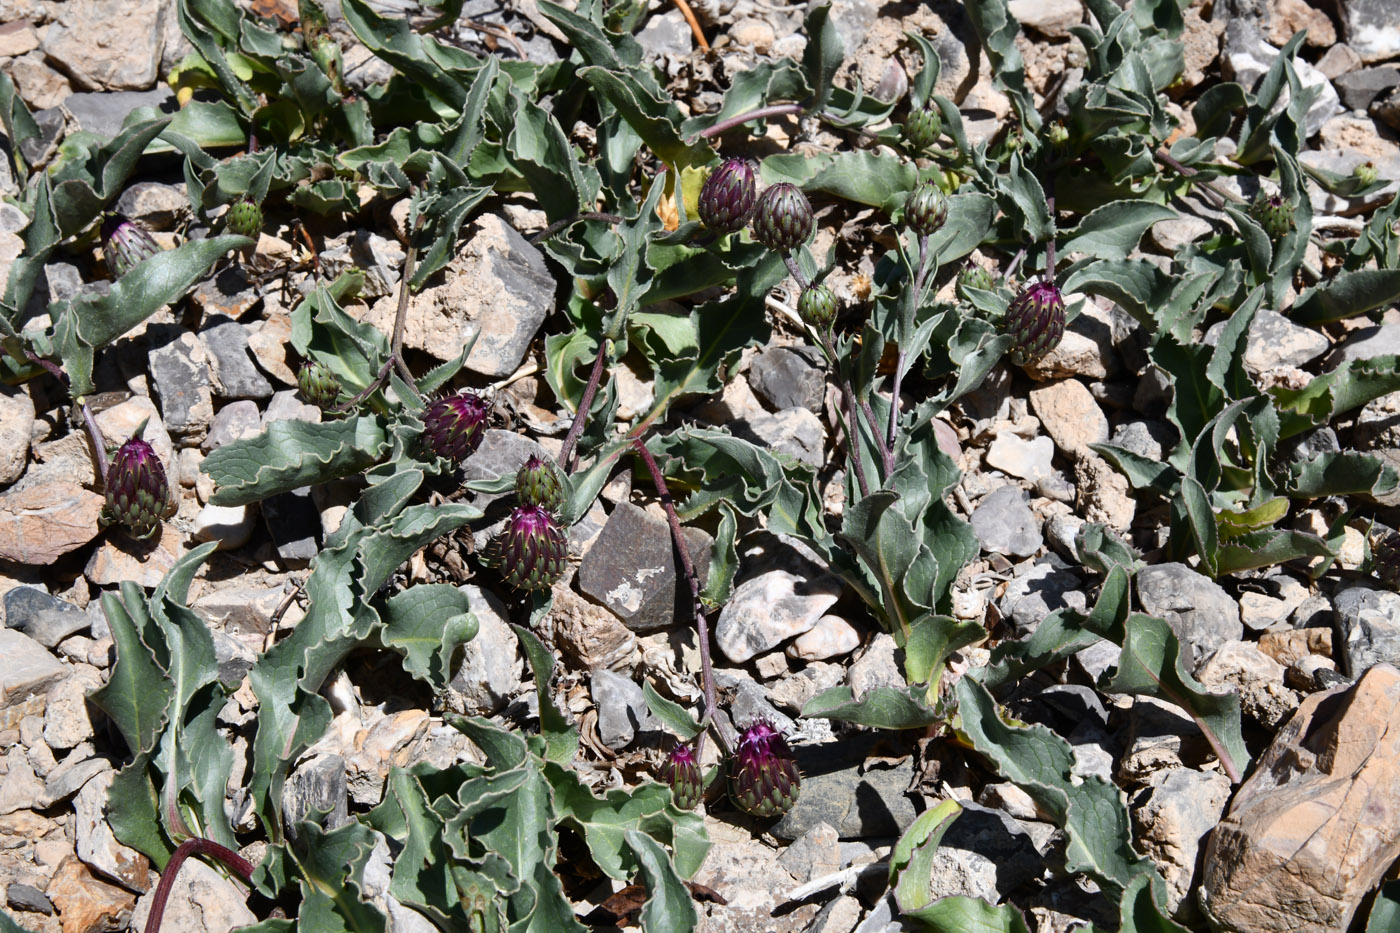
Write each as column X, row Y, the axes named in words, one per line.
column 292, row 454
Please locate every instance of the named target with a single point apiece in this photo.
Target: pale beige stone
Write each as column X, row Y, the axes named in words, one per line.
column 44, row 521
column 1317, row 824
column 1070, row 416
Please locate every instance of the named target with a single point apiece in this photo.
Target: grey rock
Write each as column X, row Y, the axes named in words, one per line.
column 1314, row 612
column 750, row 704
column 231, row 364
column 1366, row 628
column 1160, row 736
column 1370, row 28
column 840, row 789
column 1098, row 659
column 501, row 453
column 202, row 898
column 665, row 34
column 378, row 876
column 789, row 377
column 1240, row 667
column 38, row 149
column 66, row 719
column 491, row 667
column 230, row 525
column 815, row 853
column 1199, row 611
column 985, row 853
column 1386, row 108
column 794, row 431
column 622, row 710
column 1061, row 531
column 99, row 48
column 104, row 112
column 1004, row 523
column 317, row 787
column 1171, row 236
column 1275, row 342
column 234, row 658
column 230, row 293
column 878, row 666
column 768, row 609
column 154, row 205
column 831, row 637
column 1310, row 445
column 44, row 618
column 235, row 421
column 16, row 430
column 1040, row 589
column 26, row 668
column 1246, row 57
column 631, row 568
column 286, row 405
column 95, row 843
column 1147, row 438
column 1153, row 393
column 1364, row 344
column 293, row 521
column 1358, row 88
column 25, row 897
column 72, row 773
column 1028, row 460
column 180, row 378
column 1173, row 816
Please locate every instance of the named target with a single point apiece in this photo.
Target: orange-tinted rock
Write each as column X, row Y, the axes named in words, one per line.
column 1317, row 824
column 86, row 905
column 42, row 522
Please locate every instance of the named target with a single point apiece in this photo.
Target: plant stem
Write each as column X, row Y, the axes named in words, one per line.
column 567, row 461
column 886, row 455
column 1050, row 246
column 796, row 271
column 231, row 859
column 702, row 625
column 563, row 222
column 852, row 430
column 401, row 313
column 774, row 110
column 99, row 443
column 911, row 308
column 1191, row 173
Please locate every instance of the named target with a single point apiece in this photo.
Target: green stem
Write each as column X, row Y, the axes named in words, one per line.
column 906, row 327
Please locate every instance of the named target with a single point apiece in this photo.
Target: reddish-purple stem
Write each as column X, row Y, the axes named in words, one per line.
column 852, row 430
column 231, row 859
column 776, row 110
column 702, row 625
column 567, row 461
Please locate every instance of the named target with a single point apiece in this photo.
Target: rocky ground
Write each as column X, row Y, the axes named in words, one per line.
column 218, row 367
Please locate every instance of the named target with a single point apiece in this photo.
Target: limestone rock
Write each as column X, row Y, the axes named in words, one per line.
column 770, row 608
column 84, row 903
column 497, row 290
column 1317, row 824
column 632, row 569
column 103, row 51
column 1070, row 416
column 40, row 523
column 1173, row 817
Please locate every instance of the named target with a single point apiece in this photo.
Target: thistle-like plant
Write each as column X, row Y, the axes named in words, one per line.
column 530, row 551
column 728, row 196
column 454, row 426
column 125, row 243
column 1035, row 319
column 763, row 776
column 138, row 493
column 540, row 482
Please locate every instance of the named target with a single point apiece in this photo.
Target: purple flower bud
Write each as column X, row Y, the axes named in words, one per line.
column 763, row 775
column 125, row 244
column 318, row 385
column 783, row 219
column 682, row 772
column 925, row 210
column 530, row 551
column 817, row 306
column 1036, row 321
column 540, row 483
column 1273, row 213
column 138, row 494
column 728, row 196
column 454, row 426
